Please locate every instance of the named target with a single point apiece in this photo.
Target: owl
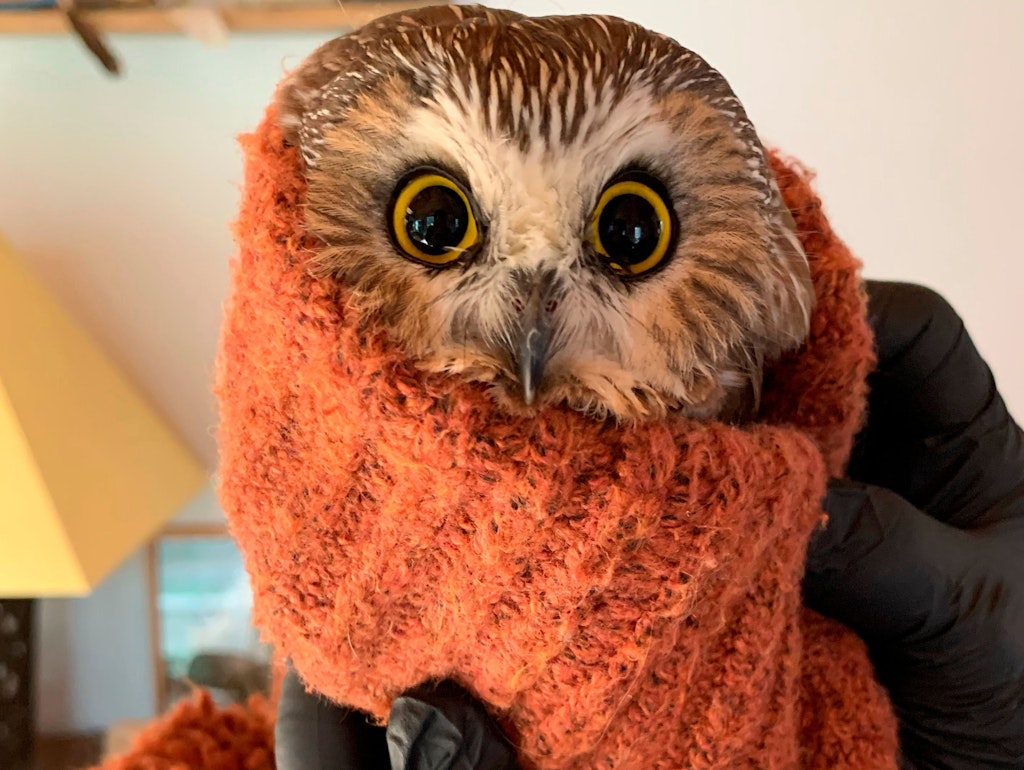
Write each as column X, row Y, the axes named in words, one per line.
column 567, row 210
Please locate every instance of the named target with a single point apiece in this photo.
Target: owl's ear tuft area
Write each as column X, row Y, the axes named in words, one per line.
column 290, row 103
column 301, row 90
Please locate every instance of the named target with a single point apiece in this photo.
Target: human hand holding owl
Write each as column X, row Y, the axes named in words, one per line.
column 922, row 553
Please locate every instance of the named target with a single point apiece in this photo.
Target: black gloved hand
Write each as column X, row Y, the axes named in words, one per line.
column 443, row 727
column 924, row 552
column 312, row 733
column 431, row 727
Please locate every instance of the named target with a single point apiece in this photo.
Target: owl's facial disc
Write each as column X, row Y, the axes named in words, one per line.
column 433, row 221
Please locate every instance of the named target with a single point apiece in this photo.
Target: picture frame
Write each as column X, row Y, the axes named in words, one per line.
column 200, row 604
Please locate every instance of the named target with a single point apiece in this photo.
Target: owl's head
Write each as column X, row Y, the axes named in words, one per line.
column 571, row 209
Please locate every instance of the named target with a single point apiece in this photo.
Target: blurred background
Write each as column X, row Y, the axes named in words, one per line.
column 116, row 195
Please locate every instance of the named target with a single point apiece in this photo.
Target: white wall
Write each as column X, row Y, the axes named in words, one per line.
column 94, row 663
column 120, row 194
column 94, row 660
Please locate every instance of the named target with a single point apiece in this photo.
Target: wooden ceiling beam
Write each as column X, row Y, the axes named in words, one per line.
column 249, row 18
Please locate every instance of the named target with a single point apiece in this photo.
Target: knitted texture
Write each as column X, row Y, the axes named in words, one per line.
column 199, row 735
column 621, row 597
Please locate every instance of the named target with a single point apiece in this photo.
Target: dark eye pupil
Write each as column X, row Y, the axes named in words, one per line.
column 629, row 228
column 436, row 220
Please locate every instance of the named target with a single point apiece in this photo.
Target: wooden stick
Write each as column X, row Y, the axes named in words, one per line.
column 238, row 18
column 212, row 529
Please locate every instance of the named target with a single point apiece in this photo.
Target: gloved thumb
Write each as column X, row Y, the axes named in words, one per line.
column 442, row 727
column 942, row 611
column 886, row 569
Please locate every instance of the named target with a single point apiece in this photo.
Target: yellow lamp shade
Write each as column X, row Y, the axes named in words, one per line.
column 88, row 471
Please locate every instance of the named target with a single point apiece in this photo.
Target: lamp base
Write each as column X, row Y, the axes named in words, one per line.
column 17, row 722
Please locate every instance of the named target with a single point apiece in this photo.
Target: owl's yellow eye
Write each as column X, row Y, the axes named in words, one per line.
column 632, row 225
column 431, row 219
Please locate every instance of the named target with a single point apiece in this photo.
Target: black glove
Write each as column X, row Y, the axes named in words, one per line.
column 442, row 727
column 432, row 727
column 924, row 552
column 312, row 733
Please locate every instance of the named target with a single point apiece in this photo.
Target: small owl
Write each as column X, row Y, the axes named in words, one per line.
column 572, row 210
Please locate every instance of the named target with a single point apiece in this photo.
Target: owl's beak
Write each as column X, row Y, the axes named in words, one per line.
column 535, row 335
column 533, row 357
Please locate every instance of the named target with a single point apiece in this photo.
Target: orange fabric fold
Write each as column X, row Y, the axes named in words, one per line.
column 621, row 597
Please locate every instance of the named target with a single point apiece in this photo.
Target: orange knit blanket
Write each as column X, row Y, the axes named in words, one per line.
column 621, row 597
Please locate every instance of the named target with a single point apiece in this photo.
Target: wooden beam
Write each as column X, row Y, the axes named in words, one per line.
column 238, row 18
column 199, row 529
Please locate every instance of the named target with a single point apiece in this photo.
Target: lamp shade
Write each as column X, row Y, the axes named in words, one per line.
column 88, row 471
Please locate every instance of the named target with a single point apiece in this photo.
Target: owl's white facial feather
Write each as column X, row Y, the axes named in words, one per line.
column 537, row 202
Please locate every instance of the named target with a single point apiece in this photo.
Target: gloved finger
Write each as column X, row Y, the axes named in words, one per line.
column 442, row 727
column 938, row 432
column 928, row 356
column 942, row 611
column 887, row 570
column 311, row 733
